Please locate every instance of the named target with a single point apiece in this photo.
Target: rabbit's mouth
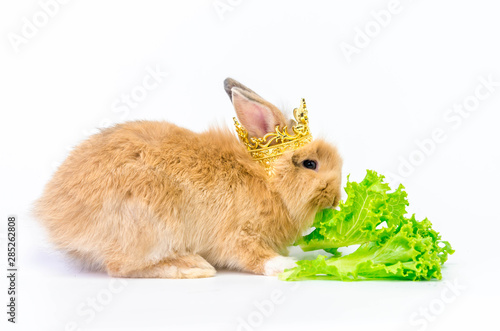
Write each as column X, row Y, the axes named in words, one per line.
column 335, row 202
column 327, row 198
column 332, row 203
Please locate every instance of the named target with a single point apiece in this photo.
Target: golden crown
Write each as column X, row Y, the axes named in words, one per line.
column 267, row 149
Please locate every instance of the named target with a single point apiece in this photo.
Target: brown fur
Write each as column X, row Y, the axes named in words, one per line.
column 151, row 199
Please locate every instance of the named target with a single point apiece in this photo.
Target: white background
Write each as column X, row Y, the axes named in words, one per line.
column 375, row 105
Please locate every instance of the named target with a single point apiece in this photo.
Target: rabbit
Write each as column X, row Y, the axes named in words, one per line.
column 149, row 199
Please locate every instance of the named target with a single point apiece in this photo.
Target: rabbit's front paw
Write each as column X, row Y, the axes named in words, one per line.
column 278, row 264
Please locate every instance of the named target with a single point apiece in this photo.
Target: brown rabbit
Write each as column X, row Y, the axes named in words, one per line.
column 151, row 199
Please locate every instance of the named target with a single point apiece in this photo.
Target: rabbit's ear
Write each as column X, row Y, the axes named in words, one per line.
column 255, row 114
column 229, row 83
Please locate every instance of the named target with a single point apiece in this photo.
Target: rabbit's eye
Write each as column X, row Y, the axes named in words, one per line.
column 309, row 164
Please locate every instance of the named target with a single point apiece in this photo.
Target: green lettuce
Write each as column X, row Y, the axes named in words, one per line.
column 392, row 246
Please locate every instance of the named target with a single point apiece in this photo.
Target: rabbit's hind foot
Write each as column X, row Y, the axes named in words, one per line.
column 184, row 266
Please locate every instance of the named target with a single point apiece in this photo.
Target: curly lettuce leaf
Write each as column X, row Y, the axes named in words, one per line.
column 404, row 248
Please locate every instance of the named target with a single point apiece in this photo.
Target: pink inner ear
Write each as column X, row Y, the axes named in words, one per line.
column 263, row 120
column 257, row 118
